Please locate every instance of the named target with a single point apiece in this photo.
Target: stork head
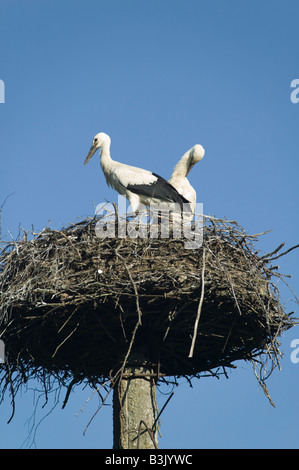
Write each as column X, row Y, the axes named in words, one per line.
column 99, row 140
column 196, row 154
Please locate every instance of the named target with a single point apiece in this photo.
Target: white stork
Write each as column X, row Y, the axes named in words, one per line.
column 137, row 185
column 179, row 179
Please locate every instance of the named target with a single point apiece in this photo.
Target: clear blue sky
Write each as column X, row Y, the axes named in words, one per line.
column 158, row 77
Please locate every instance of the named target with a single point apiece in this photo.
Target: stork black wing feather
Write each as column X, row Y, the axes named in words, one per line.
column 159, row 189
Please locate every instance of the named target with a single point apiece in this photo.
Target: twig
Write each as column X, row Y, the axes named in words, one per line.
column 162, row 409
column 200, row 303
column 262, row 384
column 96, row 412
column 218, row 220
column 97, row 390
column 268, row 255
column 150, row 432
column 134, row 287
column 285, row 252
column 69, row 389
column 1, row 207
column 234, row 294
column 65, row 339
column 136, row 295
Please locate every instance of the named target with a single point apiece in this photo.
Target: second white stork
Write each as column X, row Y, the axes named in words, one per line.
column 137, row 185
column 179, row 179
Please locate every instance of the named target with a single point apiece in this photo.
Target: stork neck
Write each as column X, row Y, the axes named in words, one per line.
column 182, row 168
column 107, row 163
column 105, row 153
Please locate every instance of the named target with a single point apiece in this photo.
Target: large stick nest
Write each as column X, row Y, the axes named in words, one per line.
column 73, row 305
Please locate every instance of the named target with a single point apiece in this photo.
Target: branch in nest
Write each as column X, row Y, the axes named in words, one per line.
column 200, row 303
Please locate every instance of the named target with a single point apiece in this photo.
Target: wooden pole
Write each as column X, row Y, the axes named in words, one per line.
column 135, row 407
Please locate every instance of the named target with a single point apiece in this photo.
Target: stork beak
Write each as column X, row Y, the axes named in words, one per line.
column 92, row 150
column 190, row 166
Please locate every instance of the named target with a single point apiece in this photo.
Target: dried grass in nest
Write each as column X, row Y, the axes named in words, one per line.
column 74, row 305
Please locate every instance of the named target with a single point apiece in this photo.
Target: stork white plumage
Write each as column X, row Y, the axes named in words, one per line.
column 137, row 185
column 179, row 179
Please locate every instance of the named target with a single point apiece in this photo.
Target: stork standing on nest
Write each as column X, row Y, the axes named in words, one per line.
column 137, row 185
column 179, row 179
